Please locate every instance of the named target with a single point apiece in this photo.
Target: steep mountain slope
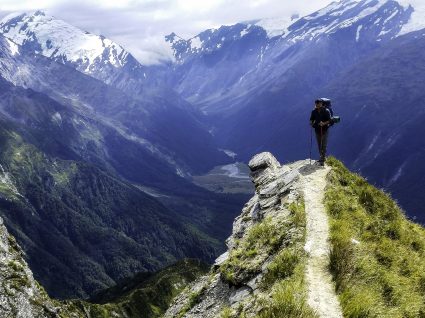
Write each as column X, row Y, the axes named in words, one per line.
column 66, row 167
column 90, row 227
column 166, row 127
column 261, row 66
column 147, row 294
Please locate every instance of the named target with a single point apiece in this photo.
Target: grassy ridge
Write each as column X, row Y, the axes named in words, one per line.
column 377, row 253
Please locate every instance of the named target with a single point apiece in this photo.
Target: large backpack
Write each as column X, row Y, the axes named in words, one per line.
column 328, row 105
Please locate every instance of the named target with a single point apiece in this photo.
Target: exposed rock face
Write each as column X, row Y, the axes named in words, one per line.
column 20, row 294
column 231, row 286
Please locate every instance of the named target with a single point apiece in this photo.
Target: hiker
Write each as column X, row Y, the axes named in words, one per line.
column 321, row 120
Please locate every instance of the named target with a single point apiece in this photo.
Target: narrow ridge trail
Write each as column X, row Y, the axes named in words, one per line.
column 321, row 289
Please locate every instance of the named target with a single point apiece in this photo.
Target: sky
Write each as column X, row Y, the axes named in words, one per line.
column 140, row 25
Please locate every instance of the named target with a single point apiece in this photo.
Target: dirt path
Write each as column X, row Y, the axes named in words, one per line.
column 321, row 290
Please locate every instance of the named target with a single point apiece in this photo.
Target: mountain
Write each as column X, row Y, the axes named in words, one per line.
column 260, row 63
column 90, row 226
column 73, row 173
column 91, row 54
column 165, row 124
column 262, row 80
column 94, row 149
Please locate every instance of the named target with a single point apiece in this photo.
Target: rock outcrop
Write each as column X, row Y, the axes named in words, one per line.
column 20, row 295
column 240, row 281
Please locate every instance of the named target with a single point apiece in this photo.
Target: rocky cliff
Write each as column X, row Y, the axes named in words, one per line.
column 265, row 261
column 20, row 295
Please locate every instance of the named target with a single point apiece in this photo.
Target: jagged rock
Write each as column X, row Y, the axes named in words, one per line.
column 263, row 160
column 254, row 212
column 240, row 294
column 276, row 187
column 214, row 292
column 221, row 259
column 270, row 189
column 255, row 282
column 264, row 168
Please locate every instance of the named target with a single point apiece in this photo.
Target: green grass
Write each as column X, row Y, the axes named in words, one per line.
column 289, row 298
column 383, row 274
column 244, row 262
column 283, row 281
column 286, row 275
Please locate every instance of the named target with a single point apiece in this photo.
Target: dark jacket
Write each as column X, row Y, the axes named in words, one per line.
column 317, row 116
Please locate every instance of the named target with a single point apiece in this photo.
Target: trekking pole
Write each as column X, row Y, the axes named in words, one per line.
column 321, row 142
column 311, row 141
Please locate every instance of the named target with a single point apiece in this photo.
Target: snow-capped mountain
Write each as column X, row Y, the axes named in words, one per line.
column 62, row 42
column 91, row 54
column 241, row 58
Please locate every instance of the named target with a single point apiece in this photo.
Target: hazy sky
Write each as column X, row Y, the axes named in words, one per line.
column 140, row 25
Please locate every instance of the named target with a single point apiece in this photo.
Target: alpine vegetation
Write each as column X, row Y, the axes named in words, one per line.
column 377, row 253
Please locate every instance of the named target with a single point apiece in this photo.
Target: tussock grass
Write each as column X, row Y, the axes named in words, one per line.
column 283, row 281
column 288, row 298
column 286, row 274
column 265, row 238
column 377, row 254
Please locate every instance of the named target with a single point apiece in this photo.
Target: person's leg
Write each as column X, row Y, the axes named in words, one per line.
column 324, row 145
column 319, row 141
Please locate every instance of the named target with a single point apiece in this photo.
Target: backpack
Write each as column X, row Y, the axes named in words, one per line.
column 328, row 105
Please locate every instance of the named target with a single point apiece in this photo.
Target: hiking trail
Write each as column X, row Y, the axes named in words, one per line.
column 321, row 290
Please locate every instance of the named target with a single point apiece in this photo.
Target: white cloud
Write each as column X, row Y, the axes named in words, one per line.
column 140, row 25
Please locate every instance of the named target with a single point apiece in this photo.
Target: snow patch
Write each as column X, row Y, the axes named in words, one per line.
column 196, row 43
column 244, row 31
column 359, row 28
column 276, row 26
column 230, row 153
column 416, row 21
column 14, row 48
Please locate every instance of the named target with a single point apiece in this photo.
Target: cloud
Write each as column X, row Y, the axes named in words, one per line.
column 140, row 26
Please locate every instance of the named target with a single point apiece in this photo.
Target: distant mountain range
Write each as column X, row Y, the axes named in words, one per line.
column 98, row 151
column 365, row 55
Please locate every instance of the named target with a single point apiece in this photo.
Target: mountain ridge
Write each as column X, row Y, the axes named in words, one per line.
column 271, row 249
